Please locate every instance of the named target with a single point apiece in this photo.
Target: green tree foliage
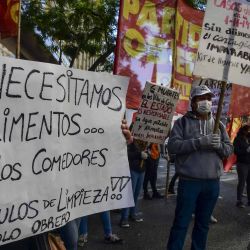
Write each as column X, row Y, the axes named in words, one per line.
column 74, row 25
column 198, row 4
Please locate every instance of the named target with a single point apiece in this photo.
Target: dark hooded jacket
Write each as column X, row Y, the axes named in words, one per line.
column 134, row 157
column 191, row 160
column 240, row 149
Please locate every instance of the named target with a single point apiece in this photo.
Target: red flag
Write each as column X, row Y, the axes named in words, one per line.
column 229, row 162
column 9, row 13
column 240, row 101
column 144, row 44
column 233, row 130
column 187, row 35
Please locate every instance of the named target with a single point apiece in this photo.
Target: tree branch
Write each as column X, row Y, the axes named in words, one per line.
column 102, row 58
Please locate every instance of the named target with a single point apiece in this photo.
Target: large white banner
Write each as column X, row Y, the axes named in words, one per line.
column 62, row 152
column 224, row 48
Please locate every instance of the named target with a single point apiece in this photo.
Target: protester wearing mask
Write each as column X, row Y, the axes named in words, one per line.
column 242, row 151
column 198, row 161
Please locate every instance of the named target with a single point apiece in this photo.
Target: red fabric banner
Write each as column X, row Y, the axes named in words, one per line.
column 9, row 13
column 145, row 44
column 229, row 162
column 232, row 129
column 187, row 35
column 240, row 101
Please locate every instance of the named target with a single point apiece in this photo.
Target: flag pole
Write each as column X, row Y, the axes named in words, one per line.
column 18, row 41
column 220, row 106
column 171, row 86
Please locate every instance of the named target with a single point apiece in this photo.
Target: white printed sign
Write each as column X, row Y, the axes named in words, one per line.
column 155, row 113
column 224, row 48
column 62, row 152
column 215, row 87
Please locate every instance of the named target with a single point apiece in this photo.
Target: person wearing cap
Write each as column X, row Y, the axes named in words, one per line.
column 198, row 162
column 242, row 151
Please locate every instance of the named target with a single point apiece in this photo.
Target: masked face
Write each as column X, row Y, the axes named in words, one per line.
column 204, row 107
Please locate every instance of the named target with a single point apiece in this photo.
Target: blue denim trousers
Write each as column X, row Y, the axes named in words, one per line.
column 198, row 197
column 106, row 223
column 69, row 234
column 137, row 180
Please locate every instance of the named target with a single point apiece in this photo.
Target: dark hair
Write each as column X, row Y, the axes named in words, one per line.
column 243, row 129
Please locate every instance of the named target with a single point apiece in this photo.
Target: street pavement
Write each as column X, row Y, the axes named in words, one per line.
column 232, row 232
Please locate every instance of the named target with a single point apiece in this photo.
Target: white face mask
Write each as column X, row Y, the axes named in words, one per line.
column 204, row 107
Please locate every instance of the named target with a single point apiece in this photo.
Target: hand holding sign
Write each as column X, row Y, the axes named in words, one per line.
column 126, row 132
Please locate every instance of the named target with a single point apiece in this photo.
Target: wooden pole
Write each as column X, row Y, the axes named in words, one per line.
column 18, row 41
column 220, row 106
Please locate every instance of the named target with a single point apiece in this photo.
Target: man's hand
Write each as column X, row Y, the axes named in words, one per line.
column 144, row 155
column 126, row 132
column 210, row 141
column 216, row 141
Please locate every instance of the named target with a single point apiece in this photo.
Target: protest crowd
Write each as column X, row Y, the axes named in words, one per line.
column 76, row 143
column 198, row 186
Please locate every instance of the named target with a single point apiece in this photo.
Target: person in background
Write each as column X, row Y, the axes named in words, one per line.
column 242, row 151
column 198, row 162
column 151, row 172
column 109, row 237
column 136, row 157
column 170, row 158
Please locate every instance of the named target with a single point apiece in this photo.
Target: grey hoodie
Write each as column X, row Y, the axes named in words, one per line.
column 193, row 160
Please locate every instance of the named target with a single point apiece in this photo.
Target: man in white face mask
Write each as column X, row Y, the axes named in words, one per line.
column 201, row 100
column 198, row 162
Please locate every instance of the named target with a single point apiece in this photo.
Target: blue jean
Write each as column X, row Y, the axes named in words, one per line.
column 106, row 222
column 137, row 180
column 198, row 196
column 243, row 171
column 151, row 175
column 69, row 234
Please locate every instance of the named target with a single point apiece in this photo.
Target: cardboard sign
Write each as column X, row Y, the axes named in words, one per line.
column 155, row 114
column 63, row 154
column 224, row 48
